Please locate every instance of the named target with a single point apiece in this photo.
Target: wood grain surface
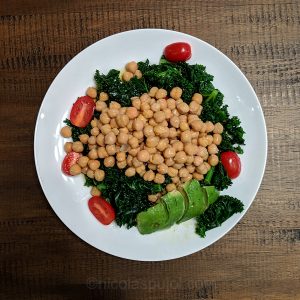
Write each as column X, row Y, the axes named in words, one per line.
column 41, row 259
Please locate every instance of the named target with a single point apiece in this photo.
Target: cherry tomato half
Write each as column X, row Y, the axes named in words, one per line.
column 82, row 111
column 70, row 159
column 102, row 210
column 178, row 52
column 232, row 164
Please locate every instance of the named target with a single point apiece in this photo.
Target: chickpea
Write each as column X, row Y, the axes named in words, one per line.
column 217, row 139
column 203, row 128
column 190, row 149
column 194, row 107
column 66, row 132
column 209, row 126
column 209, row 139
column 141, row 170
column 115, row 131
column 95, row 131
column 163, row 103
column 202, row 169
column 84, row 138
column 197, row 98
column 124, row 130
column 121, row 156
column 187, row 178
column 111, row 149
column 185, row 136
column 195, row 142
column 161, row 93
column 138, row 125
column 122, row 138
column 148, row 131
column 178, row 166
column 162, row 169
column 132, row 66
column 175, row 179
column 129, row 126
column 189, row 159
column 148, row 114
column 152, row 166
column 84, row 170
column 149, row 176
column 95, row 191
column 136, row 163
column 169, row 152
column 126, row 76
column 152, row 198
column 100, row 106
column 198, row 176
column 183, row 118
column 208, row 166
column 93, row 154
column 192, row 118
column 131, row 112
column 172, row 133
column 145, row 106
column 175, row 112
column 122, row 164
column 130, row 172
column 145, row 98
column 159, row 116
column 136, row 102
column 171, row 104
column 112, row 112
column 103, row 96
column 169, row 162
column 199, row 110
column 109, row 161
column 183, row 108
column 195, row 135
column 77, row 147
column 196, row 125
column 170, row 187
column 191, row 169
column 90, row 173
column 178, row 146
column 218, row 128
column 157, row 159
column 91, row 92
column 202, row 141
column 83, row 161
column 133, row 142
column 105, row 129
column 138, row 74
column 184, row 126
column 104, row 118
column 153, row 91
column 213, row 160
column 90, row 147
column 161, row 131
column 75, row 170
column 122, row 120
column 178, row 101
column 159, row 178
column 212, row 149
column 198, row 160
column 134, row 151
column 155, row 107
column 152, row 122
column 162, row 144
column 110, row 138
column 150, row 150
column 68, row 147
column 183, row 172
column 94, row 164
column 102, row 152
column 168, row 113
column 180, row 157
column 129, row 160
column 143, row 156
column 176, row 93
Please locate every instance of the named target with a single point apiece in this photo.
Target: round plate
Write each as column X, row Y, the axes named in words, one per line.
column 67, row 195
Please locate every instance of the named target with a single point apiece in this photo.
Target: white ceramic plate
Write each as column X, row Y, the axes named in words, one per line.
column 67, row 195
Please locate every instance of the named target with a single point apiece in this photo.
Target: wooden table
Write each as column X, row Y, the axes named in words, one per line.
column 41, row 259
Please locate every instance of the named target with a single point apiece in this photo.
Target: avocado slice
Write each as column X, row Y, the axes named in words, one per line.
column 195, row 198
column 175, row 205
column 153, row 219
column 212, row 194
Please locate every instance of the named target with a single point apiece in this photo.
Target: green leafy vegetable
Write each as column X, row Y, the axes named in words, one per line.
column 217, row 213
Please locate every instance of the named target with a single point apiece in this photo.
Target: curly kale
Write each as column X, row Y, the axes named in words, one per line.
column 217, row 177
column 217, row 213
column 128, row 195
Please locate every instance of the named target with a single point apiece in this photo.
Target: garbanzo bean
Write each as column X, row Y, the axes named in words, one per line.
column 68, row 147
column 66, row 132
column 213, row 160
column 145, row 98
column 152, row 198
column 175, row 180
column 194, row 107
column 169, row 162
column 99, row 175
column 129, row 160
column 183, row 172
column 183, row 108
column 189, row 159
column 197, row 176
column 133, row 142
column 202, row 151
column 77, row 147
column 100, row 106
column 202, row 141
column 196, row 125
column 183, row 118
column 155, row 107
column 172, row 133
column 178, row 146
column 152, row 166
column 171, row 103
column 198, row 160
column 161, row 93
column 126, row 76
column 121, row 156
column 138, row 124
column 110, row 138
column 212, row 149
column 122, row 138
column 90, row 147
column 190, row 149
column 163, row 103
column 184, row 126
column 162, row 169
column 149, row 176
column 176, row 93
column 152, row 122
column 136, row 163
column 157, row 159
column 122, row 164
column 148, row 114
column 187, row 178
column 148, row 131
column 112, row 112
column 175, row 112
column 94, row 164
column 138, row 74
column 136, row 102
column 91, row 92
column 103, row 96
column 145, row 106
column 102, row 152
column 75, row 170
column 122, row 120
column 132, row 66
column 111, row 149
column 178, row 166
column 143, row 156
column 159, row 116
column 105, row 129
column 131, row 112
column 159, row 178
column 151, row 150
column 192, row 118
column 169, row 152
column 170, row 187
column 141, row 170
column 83, row 161
column 130, row 172
column 134, row 151
column 109, row 161
column 209, row 139
column 90, row 173
column 162, row 144
column 185, row 136
column 93, row 154
column 217, row 139
column 218, row 128
column 84, row 138
column 95, row 131
column 95, row 191
column 153, row 91
column 209, row 126
column 104, row 118
column 191, row 169
column 180, row 157
column 197, row 98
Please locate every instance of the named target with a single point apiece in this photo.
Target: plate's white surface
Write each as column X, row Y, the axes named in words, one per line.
column 67, row 195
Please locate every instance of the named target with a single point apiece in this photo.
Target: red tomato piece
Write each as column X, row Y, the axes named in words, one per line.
column 82, row 111
column 102, row 210
column 232, row 164
column 178, row 52
column 70, row 159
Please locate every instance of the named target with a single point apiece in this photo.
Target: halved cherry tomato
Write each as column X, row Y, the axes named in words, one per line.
column 70, row 159
column 178, row 52
column 102, row 210
column 82, row 111
column 232, row 164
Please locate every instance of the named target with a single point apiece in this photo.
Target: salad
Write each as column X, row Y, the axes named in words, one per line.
column 156, row 145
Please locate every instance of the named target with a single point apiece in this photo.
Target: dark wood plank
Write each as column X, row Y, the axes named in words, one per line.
column 41, row 259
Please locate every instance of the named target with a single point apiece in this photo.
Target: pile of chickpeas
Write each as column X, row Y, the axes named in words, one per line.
column 158, row 135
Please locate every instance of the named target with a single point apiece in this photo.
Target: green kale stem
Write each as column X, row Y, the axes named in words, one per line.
column 209, row 175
